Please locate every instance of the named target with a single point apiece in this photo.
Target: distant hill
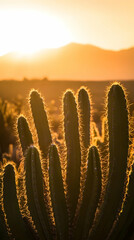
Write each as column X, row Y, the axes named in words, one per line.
column 71, row 62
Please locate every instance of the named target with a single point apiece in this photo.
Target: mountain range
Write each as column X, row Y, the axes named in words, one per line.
column 71, row 62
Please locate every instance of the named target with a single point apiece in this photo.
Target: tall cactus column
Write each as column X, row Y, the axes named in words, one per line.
column 73, row 151
column 41, row 122
column 84, row 106
column 91, row 195
column 11, row 206
column 35, row 194
column 117, row 114
column 57, row 194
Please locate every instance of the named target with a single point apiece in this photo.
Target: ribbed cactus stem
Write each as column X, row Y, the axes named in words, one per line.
column 73, row 150
column 11, row 206
column 35, row 195
column 41, row 122
column 118, row 152
column 84, row 107
column 25, row 135
column 57, row 194
column 91, row 195
column 3, row 228
column 126, row 217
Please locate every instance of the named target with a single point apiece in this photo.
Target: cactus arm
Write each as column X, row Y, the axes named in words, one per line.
column 84, row 107
column 118, row 151
column 73, row 151
column 25, row 135
column 41, row 122
column 91, row 195
column 11, row 206
column 57, row 194
column 35, row 196
column 126, row 217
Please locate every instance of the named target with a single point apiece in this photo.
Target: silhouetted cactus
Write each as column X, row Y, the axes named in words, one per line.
column 71, row 128
column 91, row 195
column 117, row 115
column 24, row 133
column 57, row 194
column 41, row 122
column 84, row 106
column 65, row 207
column 11, row 206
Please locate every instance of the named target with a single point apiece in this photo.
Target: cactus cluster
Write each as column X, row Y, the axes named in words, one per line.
column 79, row 189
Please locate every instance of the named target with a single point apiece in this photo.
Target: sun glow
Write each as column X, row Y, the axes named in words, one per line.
column 28, row 31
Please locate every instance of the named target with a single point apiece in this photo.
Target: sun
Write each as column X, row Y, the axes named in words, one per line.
column 28, row 31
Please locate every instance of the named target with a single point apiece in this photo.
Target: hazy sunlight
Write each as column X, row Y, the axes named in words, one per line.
column 28, row 31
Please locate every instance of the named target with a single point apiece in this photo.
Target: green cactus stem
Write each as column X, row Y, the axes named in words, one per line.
column 91, row 195
column 118, row 152
column 73, row 151
column 11, row 206
column 84, row 107
column 25, row 135
column 3, row 228
column 126, row 217
column 57, row 194
column 35, row 195
column 41, row 122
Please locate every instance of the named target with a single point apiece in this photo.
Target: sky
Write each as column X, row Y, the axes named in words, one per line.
column 31, row 25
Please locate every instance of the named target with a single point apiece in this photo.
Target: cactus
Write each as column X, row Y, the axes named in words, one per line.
column 57, row 194
column 71, row 129
column 91, row 195
column 11, row 206
column 126, row 217
column 84, row 106
column 3, row 229
column 117, row 115
column 41, row 122
column 58, row 204
column 25, row 135
column 35, row 195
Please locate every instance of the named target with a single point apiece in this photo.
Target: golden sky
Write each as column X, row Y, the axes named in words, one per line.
column 31, row 25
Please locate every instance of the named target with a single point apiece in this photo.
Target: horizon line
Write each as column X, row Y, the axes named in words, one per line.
column 76, row 43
